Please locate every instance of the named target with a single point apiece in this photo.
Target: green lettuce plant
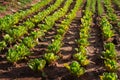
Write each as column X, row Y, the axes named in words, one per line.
column 75, row 68
column 109, row 76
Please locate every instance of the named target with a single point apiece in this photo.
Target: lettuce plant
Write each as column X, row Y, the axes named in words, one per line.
column 82, row 59
column 75, row 68
column 111, row 65
column 2, row 45
column 18, row 52
column 50, row 57
column 109, row 76
column 37, row 64
column 110, row 51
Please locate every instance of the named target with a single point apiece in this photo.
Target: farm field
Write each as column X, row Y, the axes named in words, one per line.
column 61, row 40
column 8, row 7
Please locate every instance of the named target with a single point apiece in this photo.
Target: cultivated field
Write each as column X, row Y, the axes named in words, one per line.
column 61, row 40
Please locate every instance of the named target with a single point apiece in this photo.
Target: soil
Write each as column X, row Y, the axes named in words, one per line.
column 58, row 71
column 11, row 9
